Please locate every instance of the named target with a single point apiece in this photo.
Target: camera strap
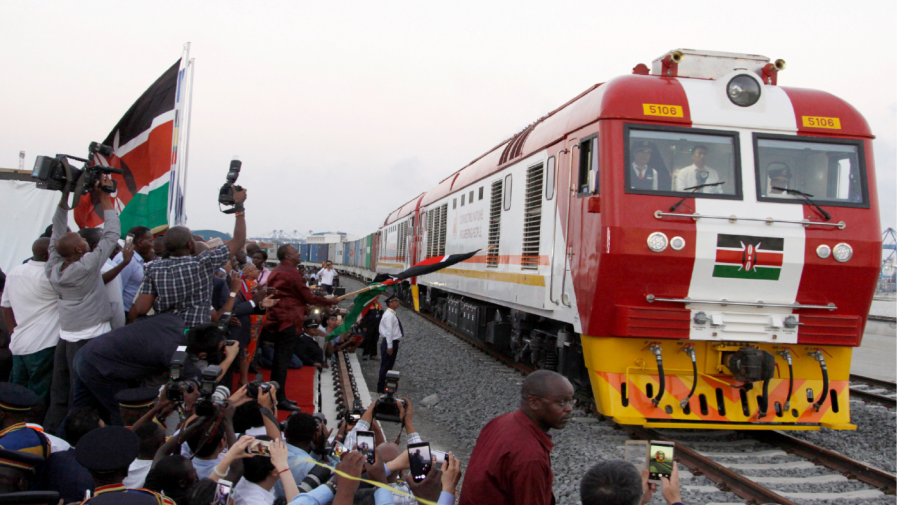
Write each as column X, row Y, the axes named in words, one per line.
column 79, row 186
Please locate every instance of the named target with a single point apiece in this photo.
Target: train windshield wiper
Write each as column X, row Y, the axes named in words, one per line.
column 695, row 189
column 807, row 198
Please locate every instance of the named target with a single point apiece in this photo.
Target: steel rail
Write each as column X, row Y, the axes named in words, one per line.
column 840, row 225
column 345, row 383
column 872, row 382
column 853, row 469
column 873, row 397
column 726, row 479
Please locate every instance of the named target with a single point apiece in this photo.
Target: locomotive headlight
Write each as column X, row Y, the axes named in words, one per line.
column 842, row 252
column 677, row 243
column 743, row 91
column 823, row 251
column 657, row 241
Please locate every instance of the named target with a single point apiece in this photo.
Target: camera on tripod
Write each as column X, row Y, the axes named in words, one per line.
column 226, row 193
column 212, row 398
column 57, row 174
column 387, row 408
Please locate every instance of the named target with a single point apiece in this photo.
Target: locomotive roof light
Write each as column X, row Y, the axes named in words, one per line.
column 743, row 90
column 823, row 251
column 657, row 241
column 842, row 252
column 677, row 243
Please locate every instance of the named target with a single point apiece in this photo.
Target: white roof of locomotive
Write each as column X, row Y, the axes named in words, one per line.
column 711, row 64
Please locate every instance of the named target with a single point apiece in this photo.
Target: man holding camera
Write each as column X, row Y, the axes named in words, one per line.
column 84, row 310
column 181, row 283
column 286, row 319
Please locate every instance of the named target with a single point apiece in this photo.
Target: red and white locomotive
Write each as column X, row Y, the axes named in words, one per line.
column 696, row 243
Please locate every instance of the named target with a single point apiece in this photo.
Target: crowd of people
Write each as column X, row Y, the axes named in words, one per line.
column 130, row 383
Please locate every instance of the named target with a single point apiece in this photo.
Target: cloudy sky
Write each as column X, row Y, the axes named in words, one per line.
column 342, row 111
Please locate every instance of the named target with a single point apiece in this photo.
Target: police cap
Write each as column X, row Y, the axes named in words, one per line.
column 391, row 297
column 643, row 144
column 137, row 398
column 20, row 460
column 17, row 398
column 107, row 449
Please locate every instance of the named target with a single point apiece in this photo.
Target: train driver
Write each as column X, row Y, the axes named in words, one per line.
column 643, row 176
column 698, row 173
column 779, row 175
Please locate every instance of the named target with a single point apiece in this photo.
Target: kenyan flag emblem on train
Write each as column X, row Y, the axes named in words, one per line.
column 748, row 257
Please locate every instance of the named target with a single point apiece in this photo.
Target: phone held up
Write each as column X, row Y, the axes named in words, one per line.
column 419, row 460
column 223, row 493
column 260, row 448
column 129, row 239
column 365, row 442
column 660, row 460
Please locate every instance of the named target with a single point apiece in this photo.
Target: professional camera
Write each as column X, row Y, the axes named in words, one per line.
column 387, row 407
column 176, row 386
column 212, row 398
column 226, row 193
column 57, row 174
column 356, row 413
column 253, row 388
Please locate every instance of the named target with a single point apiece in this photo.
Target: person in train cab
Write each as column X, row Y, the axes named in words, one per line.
column 779, row 175
column 643, row 176
column 510, row 462
column 698, row 173
column 327, row 276
column 285, row 322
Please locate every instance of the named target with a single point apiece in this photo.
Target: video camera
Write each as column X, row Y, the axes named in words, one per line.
column 57, row 174
column 226, row 193
column 176, row 386
column 212, row 398
column 387, row 408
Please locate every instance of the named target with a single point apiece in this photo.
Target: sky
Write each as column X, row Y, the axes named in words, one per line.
column 342, row 112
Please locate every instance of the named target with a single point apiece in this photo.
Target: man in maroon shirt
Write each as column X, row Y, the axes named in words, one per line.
column 285, row 322
column 510, row 463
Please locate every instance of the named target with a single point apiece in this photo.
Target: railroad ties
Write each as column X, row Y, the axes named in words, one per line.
column 873, row 390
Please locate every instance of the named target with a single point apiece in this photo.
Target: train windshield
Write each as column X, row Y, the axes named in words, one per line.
column 828, row 171
column 677, row 161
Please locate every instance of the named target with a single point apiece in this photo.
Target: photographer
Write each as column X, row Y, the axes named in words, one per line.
column 621, row 482
column 181, row 283
column 142, row 351
column 306, row 439
column 84, row 311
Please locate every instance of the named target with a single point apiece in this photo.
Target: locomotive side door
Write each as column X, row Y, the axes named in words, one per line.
column 560, row 267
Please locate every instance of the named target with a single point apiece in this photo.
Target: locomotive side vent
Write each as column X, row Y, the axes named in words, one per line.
column 400, row 234
column 533, row 205
column 492, row 256
column 441, row 249
column 430, row 232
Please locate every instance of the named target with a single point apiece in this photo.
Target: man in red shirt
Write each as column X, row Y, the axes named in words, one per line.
column 285, row 320
column 510, row 463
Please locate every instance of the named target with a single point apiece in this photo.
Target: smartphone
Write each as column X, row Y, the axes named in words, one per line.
column 129, row 239
column 338, row 449
column 419, row 460
column 260, row 448
column 365, row 441
column 440, row 456
column 223, row 493
column 660, row 460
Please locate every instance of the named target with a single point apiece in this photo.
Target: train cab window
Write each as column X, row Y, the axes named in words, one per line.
column 589, row 167
column 678, row 161
column 830, row 172
column 550, row 178
column 506, row 198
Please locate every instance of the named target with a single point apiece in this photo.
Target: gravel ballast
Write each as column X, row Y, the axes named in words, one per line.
column 456, row 389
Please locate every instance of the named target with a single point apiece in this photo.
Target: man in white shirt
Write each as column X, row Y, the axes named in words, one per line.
column 260, row 473
column 391, row 331
column 327, row 276
column 698, row 173
column 32, row 318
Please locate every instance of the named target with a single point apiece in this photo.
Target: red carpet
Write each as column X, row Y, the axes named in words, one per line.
column 299, row 388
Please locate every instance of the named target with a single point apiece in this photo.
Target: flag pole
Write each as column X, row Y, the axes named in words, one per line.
column 191, row 66
column 368, row 288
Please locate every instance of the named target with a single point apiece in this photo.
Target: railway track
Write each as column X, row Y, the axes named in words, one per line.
column 756, row 487
column 873, row 390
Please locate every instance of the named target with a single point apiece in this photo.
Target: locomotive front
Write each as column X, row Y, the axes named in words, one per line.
column 738, row 248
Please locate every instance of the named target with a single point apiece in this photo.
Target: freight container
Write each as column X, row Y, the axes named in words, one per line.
column 304, row 250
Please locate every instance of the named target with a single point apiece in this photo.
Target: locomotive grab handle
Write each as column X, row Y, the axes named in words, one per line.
column 652, row 299
column 840, row 225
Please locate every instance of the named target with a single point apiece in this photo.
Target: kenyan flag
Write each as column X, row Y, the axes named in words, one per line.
column 749, row 257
